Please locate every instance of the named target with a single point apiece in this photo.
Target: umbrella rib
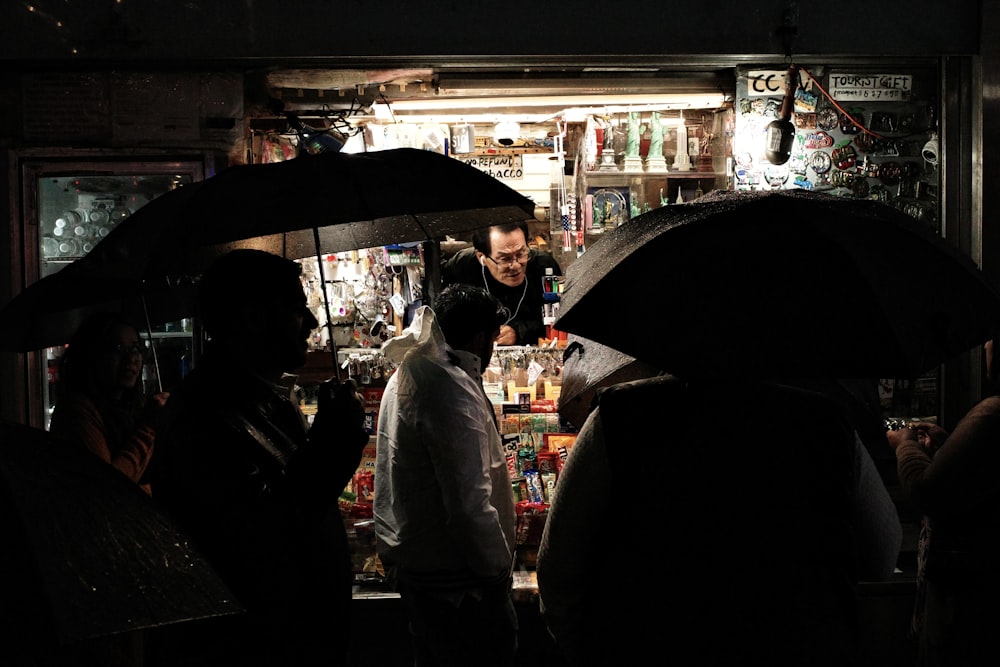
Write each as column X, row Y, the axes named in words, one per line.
column 423, row 229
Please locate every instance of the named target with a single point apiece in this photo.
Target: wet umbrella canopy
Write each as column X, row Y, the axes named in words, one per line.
column 312, row 204
column 353, row 201
column 780, row 284
column 48, row 311
column 589, row 366
column 85, row 553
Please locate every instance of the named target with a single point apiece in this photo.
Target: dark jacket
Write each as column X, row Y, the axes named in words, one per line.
column 753, row 512
column 527, row 314
column 240, row 474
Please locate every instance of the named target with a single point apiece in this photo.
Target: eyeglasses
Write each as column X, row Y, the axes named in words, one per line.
column 505, row 261
column 122, row 350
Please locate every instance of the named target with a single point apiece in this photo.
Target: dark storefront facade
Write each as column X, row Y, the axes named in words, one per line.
column 131, row 83
column 159, row 82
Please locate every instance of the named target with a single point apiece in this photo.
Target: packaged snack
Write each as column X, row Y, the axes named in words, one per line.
column 526, row 423
column 527, row 459
column 538, row 424
column 364, row 486
column 549, row 486
column 511, row 423
column 548, row 462
column 552, row 423
column 520, row 488
column 511, row 442
column 534, row 482
column 531, row 518
column 512, row 465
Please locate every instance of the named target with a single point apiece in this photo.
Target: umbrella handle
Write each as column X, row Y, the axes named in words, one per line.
column 326, row 304
column 152, row 345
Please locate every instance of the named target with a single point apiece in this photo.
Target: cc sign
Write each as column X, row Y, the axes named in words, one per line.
column 766, row 83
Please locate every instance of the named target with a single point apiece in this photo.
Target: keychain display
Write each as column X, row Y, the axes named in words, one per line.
column 524, row 365
column 341, row 299
column 366, row 294
column 366, row 368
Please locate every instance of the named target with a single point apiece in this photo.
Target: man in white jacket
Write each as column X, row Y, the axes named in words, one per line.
column 444, row 507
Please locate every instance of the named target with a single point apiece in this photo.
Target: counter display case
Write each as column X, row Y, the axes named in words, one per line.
column 630, row 163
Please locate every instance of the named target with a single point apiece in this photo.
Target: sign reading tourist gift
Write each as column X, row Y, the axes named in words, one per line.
column 504, row 167
column 870, row 87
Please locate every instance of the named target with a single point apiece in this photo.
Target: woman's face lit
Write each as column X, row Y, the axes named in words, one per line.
column 120, row 367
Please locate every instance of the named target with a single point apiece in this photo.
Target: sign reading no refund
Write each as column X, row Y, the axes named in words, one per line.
column 504, row 167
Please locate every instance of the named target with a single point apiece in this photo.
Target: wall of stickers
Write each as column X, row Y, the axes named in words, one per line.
column 859, row 132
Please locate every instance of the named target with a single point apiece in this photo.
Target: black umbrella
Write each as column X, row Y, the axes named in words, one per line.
column 349, row 201
column 109, row 278
column 309, row 205
column 589, row 366
column 86, row 554
column 50, row 310
column 781, row 284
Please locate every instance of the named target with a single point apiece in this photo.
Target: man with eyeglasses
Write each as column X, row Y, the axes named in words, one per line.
column 501, row 261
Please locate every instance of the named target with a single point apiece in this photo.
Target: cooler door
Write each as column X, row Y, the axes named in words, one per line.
column 69, row 206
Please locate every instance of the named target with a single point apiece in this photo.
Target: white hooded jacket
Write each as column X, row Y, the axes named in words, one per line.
column 444, row 505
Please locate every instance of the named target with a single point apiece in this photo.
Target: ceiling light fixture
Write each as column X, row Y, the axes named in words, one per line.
column 506, row 132
column 662, row 101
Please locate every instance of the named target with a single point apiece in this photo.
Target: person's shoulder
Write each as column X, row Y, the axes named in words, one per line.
column 72, row 407
column 641, row 395
column 75, row 400
column 460, row 266
column 425, row 367
column 988, row 408
column 463, row 256
column 990, row 404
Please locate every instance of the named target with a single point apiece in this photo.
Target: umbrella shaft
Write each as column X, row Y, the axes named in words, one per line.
column 326, row 303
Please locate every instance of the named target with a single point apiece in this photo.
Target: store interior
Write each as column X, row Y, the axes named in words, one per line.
column 562, row 139
column 592, row 149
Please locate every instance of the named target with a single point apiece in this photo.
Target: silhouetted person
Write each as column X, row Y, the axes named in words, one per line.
column 951, row 479
column 750, row 511
column 254, row 486
column 101, row 404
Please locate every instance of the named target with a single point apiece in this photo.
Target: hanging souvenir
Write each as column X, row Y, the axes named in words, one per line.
column 849, row 124
column 844, row 156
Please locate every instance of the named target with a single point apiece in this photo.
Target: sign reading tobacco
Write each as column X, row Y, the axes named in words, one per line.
column 504, row 167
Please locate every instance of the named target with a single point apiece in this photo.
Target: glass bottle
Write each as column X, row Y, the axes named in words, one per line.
column 69, row 247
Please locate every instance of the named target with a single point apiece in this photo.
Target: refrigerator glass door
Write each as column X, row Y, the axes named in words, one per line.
column 69, row 208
